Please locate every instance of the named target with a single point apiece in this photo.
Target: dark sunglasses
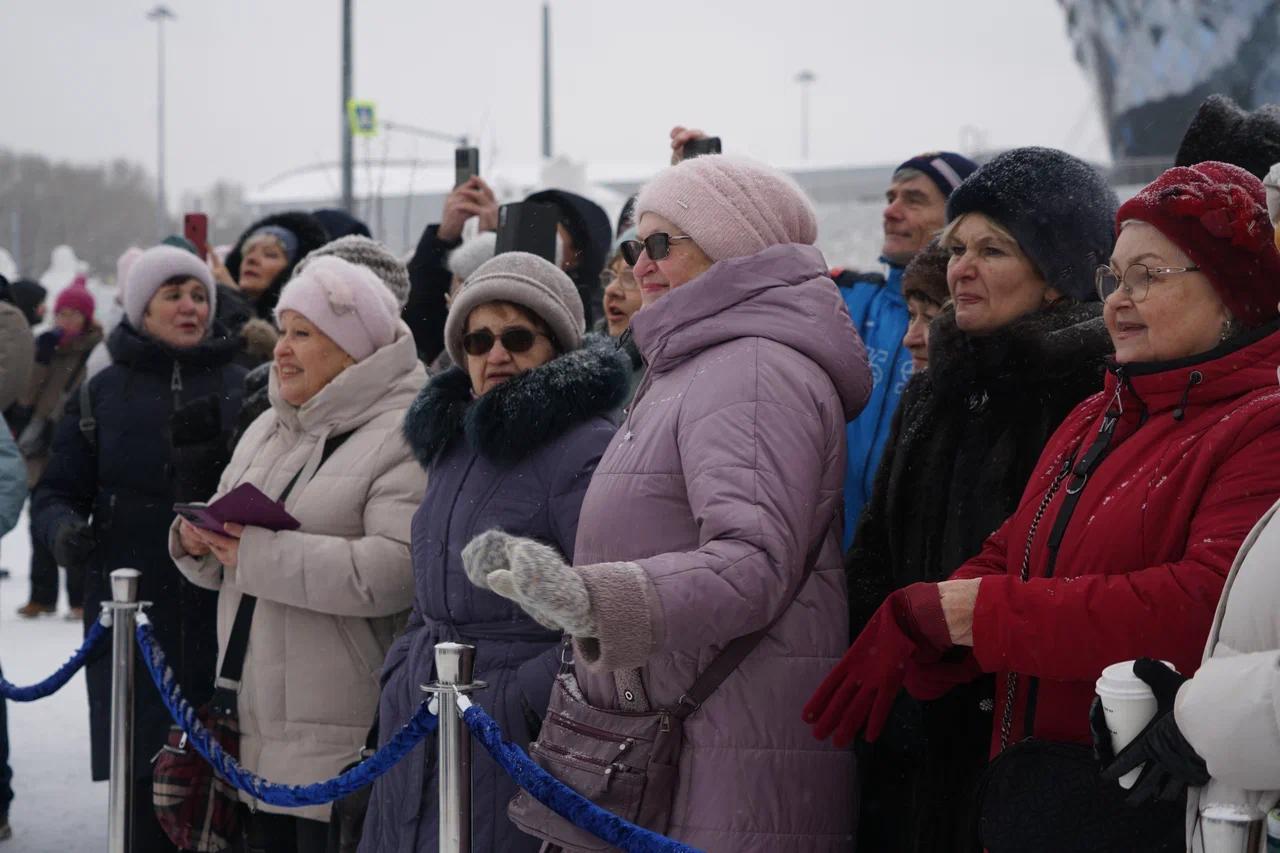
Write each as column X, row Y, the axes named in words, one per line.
column 518, row 339
column 657, row 244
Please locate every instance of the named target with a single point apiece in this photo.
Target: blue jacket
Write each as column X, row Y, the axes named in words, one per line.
column 518, row 458
column 879, row 313
column 13, row 480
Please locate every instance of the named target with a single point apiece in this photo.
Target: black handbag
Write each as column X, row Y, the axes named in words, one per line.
column 1049, row 797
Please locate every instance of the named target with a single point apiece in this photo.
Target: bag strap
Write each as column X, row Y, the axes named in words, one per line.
column 227, row 684
column 732, row 655
column 88, row 423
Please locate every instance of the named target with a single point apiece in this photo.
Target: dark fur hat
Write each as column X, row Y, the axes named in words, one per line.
column 1058, row 208
column 1222, row 131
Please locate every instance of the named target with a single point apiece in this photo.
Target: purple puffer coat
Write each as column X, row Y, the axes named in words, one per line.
column 727, row 472
column 518, row 458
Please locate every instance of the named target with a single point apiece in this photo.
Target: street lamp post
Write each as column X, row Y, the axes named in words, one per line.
column 348, row 192
column 804, row 78
column 160, row 14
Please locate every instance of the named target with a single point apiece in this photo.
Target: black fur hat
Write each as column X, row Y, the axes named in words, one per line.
column 1221, row 130
column 311, row 236
column 1058, row 208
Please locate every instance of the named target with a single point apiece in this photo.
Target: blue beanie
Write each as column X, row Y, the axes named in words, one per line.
column 946, row 169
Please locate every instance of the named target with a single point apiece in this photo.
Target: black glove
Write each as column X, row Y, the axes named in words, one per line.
column 73, row 544
column 197, row 422
column 46, row 343
column 1171, row 762
column 1102, row 749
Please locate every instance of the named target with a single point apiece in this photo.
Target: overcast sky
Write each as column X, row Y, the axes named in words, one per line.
column 253, row 85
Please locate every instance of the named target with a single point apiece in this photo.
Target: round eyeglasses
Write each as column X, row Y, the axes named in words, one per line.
column 1135, row 281
column 626, row 279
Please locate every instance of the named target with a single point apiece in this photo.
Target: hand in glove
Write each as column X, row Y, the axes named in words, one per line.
column 1171, row 762
column 534, row 576
column 47, row 343
column 858, row 694
column 197, row 421
column 73, row 544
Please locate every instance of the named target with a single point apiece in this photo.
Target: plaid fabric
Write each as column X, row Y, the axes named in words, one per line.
column 196, row 808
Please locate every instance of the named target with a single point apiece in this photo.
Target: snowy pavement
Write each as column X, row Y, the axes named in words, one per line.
column 56, row 808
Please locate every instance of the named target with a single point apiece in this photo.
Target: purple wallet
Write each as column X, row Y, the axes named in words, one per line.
column 245, row 504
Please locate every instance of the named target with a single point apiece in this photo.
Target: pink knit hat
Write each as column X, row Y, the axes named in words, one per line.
column 77, row 297
column 345, row 301
column 730, row 206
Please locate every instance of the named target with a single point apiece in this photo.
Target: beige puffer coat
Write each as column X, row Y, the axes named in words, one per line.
column 1230, row 711
column 332, row 594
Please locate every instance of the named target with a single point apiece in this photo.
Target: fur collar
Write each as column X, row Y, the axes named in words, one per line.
column 1058, row 343
column 520, row 415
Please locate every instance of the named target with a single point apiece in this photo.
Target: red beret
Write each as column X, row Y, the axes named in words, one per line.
column 1217, row 214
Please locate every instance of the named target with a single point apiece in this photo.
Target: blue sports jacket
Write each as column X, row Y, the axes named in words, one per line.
column 879, row 313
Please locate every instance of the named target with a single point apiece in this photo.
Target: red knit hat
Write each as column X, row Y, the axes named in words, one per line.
column 1217, row 214
column 77, row 297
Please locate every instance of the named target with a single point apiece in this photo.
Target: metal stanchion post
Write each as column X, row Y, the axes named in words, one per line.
column 123, row 613
column 454, row 667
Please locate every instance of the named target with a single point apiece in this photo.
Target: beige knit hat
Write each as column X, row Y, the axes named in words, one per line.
column 525, row 280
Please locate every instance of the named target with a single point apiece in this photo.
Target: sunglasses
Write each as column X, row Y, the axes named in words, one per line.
column 657, row 245
column 514, row 340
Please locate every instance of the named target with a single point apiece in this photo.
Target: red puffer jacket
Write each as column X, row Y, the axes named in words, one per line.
column 1186, row 458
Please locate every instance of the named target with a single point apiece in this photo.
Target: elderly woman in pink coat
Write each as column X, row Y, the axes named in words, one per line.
column 713, row 513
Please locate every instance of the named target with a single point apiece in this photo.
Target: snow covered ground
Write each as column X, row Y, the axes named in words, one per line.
column 55, row 807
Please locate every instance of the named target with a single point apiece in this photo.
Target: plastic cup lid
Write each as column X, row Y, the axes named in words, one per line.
column 1119, row 681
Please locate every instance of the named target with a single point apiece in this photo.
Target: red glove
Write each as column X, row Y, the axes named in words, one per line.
column 860, row 691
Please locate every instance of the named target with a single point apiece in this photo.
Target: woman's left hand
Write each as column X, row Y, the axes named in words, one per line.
column 958, row 600
column 225, row 548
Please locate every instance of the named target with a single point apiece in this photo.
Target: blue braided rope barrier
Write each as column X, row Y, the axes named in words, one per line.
column 562, row 799
column 55, row 682
column 421, row 724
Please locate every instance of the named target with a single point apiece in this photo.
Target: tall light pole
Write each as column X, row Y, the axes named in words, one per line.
column 546, row 80
column 160, row 14
column 804, row 78
column 348, row 200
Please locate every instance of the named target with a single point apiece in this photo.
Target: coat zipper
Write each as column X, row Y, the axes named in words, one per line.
column 175, row 385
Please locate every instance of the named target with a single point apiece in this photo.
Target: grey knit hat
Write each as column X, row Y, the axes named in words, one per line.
column 525, row 280
column 365, row 252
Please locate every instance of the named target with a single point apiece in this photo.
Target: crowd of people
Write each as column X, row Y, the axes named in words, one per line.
column 762, row 555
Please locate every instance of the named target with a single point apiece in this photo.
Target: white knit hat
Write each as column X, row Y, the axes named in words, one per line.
column 347, row 302
column 152, row 269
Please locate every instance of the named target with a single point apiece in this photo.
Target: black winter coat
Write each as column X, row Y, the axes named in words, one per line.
column 125, row 487
column 965, row 439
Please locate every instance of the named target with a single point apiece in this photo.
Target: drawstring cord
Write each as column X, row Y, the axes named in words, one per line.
column 1193, row 380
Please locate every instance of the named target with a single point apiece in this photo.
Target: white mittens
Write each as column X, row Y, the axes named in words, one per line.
column 534, row 576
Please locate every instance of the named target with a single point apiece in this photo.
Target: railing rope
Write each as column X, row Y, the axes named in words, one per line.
column 58, row 680
column 421, row 724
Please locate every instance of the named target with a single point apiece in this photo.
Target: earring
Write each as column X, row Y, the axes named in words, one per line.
column 1229, row 329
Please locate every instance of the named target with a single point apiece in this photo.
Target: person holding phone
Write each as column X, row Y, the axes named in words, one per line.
column 331, row 594
column 126, row 448
column 713, row 514
column 509, row 437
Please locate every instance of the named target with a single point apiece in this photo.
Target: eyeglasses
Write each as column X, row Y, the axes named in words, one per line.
column 1136, row 280
column 657, row 244
column 513, row 340
column 626, row 279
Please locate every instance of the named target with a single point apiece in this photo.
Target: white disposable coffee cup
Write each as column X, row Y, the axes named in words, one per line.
column 1129, row 705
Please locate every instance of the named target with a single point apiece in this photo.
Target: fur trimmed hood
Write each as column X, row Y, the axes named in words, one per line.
column 523, row 413
column 1043, row 348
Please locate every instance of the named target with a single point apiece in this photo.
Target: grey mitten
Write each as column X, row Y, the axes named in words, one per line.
column 534, row 576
